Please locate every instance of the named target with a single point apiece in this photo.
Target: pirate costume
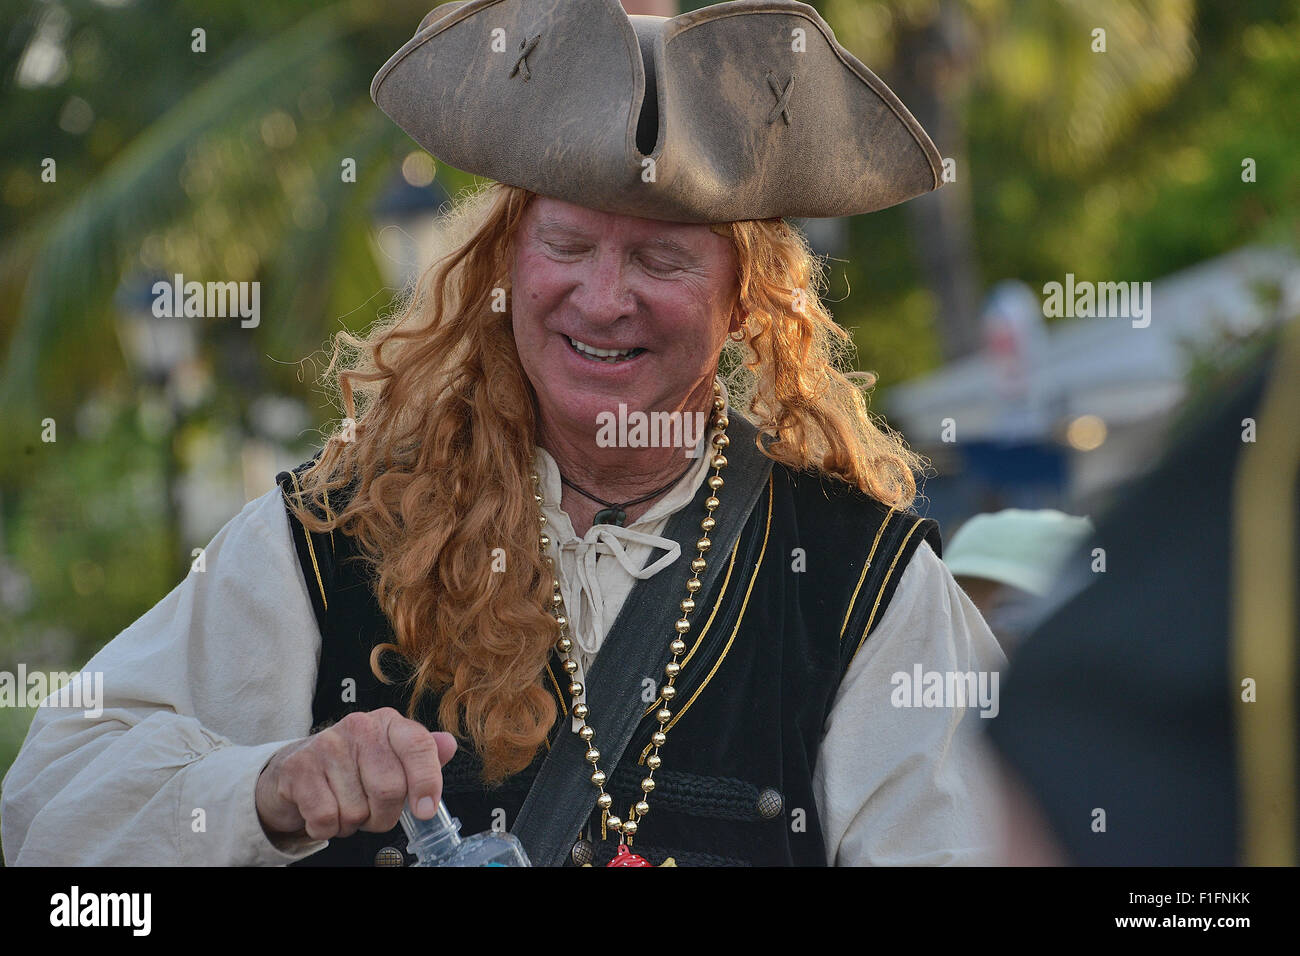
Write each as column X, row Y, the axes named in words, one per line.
column 724, row 702
column 231, row 666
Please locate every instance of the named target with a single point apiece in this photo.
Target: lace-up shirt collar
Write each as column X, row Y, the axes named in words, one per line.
column 598, row 570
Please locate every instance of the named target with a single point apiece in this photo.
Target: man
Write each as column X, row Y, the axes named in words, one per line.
column 477, row 546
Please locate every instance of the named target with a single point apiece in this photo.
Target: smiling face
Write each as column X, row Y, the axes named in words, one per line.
column 655, row 298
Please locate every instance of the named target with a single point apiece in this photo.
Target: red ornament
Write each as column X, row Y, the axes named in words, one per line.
column 626, row 857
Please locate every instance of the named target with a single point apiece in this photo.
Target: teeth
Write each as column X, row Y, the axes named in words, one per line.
column 606, row 354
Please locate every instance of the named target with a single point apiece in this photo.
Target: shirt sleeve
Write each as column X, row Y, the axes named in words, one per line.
column 912, row 785
column 197, row 695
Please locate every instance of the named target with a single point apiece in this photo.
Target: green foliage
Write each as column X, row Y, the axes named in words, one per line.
column 88, row 531
column 1122, row 165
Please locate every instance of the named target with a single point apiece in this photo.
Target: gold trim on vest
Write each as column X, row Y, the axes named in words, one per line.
column 310, row 549
column 902, row 547
column 739, row 619
column 659, row 702
column 865, row 568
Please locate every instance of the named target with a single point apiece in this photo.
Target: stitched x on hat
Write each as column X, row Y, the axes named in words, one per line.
column 742, row 110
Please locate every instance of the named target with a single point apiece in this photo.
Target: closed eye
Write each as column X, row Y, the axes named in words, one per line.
column 562, row 250
column 658, row 266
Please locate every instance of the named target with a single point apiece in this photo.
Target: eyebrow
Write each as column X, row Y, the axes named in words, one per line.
column 558, row 227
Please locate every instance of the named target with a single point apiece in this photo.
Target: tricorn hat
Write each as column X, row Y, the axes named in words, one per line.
column 749, row 109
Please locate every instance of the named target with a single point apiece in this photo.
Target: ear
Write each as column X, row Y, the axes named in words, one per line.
column 738, row 316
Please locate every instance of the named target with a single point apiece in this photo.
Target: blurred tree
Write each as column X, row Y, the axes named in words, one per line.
column 225, row 160
column 1069, row 93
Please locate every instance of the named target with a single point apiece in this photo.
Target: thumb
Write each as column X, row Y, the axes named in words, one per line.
column 446, row 745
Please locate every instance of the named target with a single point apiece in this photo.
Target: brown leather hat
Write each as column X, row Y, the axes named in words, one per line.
column 743, row 110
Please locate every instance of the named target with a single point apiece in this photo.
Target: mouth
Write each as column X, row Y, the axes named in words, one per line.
column 608, row 356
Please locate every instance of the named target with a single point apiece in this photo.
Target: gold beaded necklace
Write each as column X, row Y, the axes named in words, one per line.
column 628, row 828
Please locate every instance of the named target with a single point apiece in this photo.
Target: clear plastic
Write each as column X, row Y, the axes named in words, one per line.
column 437, row 842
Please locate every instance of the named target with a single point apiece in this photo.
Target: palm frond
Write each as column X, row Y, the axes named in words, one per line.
column 80, row 259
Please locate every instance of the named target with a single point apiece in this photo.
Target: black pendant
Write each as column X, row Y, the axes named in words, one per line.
column 610, row 516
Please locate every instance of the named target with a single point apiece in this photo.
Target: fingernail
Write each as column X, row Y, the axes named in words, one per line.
column 425, row 808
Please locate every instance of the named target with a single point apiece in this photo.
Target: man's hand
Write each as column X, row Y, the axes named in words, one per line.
column 355, row 775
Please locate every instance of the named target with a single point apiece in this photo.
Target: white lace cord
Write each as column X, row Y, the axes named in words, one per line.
column 575, row 559
column 580, row 587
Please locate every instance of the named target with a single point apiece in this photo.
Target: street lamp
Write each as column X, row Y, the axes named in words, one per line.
column 157, row 349
column 406, row 222
column 154, row 345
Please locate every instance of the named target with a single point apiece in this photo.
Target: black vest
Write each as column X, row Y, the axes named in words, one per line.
column 795, row 602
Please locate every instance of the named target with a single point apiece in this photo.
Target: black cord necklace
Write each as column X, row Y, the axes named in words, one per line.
column 616, row 512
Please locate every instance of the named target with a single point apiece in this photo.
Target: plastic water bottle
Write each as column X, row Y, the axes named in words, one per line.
column 437, row 842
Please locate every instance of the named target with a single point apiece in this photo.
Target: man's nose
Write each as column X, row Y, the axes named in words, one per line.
column 603, row 293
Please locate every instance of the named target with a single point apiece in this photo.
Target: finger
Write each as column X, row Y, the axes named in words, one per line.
column 446, row 746
column 277, row 812
column 419, row 753
column 304, row 785
column 344, row 780
column 384, row 781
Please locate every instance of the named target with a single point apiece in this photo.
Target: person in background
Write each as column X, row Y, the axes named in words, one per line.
column 1150, row 720
column 1007, row 563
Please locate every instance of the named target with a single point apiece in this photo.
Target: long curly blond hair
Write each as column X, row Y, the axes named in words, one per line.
column 437, row 448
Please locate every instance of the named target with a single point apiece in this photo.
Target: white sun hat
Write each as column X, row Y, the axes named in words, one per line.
column 1024, row 549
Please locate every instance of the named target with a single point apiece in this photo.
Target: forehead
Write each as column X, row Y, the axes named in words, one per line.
column 546, row 215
